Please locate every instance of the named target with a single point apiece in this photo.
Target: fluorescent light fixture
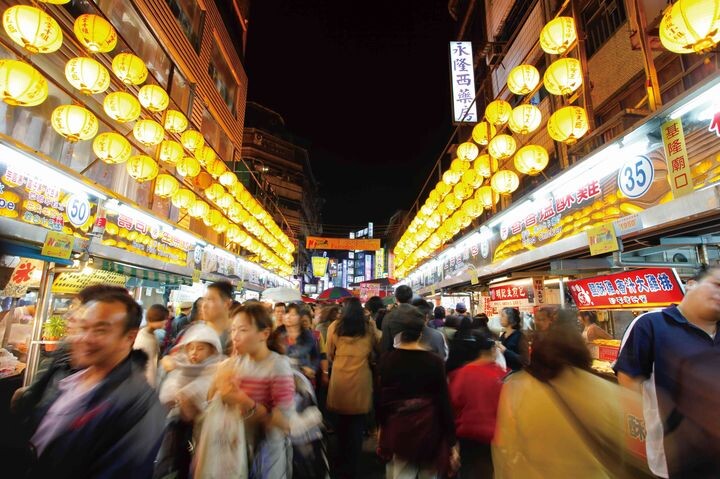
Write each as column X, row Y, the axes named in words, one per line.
column 499, row 280
column 708, row 96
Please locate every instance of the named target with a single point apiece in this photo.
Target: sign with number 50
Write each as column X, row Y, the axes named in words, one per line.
column 636, row 176
column 78, row 210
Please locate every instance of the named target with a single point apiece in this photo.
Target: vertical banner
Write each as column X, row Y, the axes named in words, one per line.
column 539, row 287
column 678, row 163
column 380, row 263
column 391, row 264
column 368, row 267
column 319, row 266
column 462, row 78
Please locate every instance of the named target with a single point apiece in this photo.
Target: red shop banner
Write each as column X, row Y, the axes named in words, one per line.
column 510, row 292
column 642, row 288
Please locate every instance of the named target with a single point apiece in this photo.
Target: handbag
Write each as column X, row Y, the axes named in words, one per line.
column 222, row 449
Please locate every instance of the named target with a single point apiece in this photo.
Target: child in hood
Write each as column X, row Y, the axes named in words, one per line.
column 184, row 391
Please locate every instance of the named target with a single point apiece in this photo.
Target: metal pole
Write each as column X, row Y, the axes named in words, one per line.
column 653, row 84
column 41, row 310
column 561, row 283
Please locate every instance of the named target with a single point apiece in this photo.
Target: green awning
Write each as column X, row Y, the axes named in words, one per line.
column 159, row 277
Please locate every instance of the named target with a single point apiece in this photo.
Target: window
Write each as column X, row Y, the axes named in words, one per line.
column 181, row 91
column 223, row 77
column 216, row 137
column 602, row 18
column 190, row 17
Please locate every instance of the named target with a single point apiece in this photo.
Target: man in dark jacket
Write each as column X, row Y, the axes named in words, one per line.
column 105, row 420
column 390, row 324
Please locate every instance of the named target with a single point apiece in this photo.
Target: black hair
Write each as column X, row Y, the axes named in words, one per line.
column 424, row 307
column 260, row 317
column 158, row 310
column 452, row 322
column 352, row 320
column 280, row 305
column 704, row 271
column 329, row 313
column 224, row 288
column 195, row 311
column 589, row 316
column 439, row 312
column 560, row 347
column 374, row 304
column 480, row 320
column 89, row 293
column 513, row 315
column 403, row 294
column 133, row 310
column 300, row 310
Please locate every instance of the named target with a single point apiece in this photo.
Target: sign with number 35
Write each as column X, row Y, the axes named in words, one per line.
column 636, row 176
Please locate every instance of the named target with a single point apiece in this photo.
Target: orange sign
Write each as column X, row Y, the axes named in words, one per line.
column 678, row 163
column 315, row 242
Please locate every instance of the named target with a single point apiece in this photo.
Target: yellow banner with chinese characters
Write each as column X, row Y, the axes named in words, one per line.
column 58, row 245
column 678, row 163
column 319, row 266
column 315, row 242
column 602, row 239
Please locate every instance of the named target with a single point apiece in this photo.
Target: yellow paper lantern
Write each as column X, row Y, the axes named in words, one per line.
column 216, row 168
column 443, row 188
column 472, row 179
column 498, row 112
column 112, row 148
column 525, row 119
column 427, row 210
column 434, row 220
column 502, row 146
column 130, row 69
column 483, row 132
column 531, row 159
column 188, row 166
column 221, row 226
column 451, row 203
column 568, row 124
column 21, row 84
column 467, row 151
column 74, row 122
column 166, row 186
column 233, row 232
column 450, row 177
column 153, row 97
column 225, row 200
column 505, row 182
column 691, row 26
column 121, row 107
column 32, row 28
column 198, row 209
column 183, row 198
column 95, row 33
column 175, row 121
column 148, row 132
column 228, row 179
column 206, row 156
column 56, row 2
column 192, row 140
column 472, row 208
column 485, row 165
column 563, row 76
column 214, row 191
column 487, row 197
column 87, row 75
column 212, row 218
column 558, row 35
column 459, row 166
column 523, row 79
column 170, row 151
column 142, row 168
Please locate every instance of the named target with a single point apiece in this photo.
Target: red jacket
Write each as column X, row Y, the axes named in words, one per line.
column 475, row 392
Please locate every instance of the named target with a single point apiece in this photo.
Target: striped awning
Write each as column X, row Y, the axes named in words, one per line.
column 150, row 275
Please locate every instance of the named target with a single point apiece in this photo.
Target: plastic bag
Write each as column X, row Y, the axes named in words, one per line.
column 500, row 359
column 222, row 448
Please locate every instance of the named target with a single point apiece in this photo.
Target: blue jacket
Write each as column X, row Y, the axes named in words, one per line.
column 117, row 436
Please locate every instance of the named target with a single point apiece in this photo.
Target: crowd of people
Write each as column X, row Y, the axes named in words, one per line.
column 230, row 390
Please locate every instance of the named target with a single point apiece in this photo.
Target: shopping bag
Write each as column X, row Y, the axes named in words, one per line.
column 222, row 450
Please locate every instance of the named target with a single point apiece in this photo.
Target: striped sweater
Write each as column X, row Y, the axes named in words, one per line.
column 268, row 382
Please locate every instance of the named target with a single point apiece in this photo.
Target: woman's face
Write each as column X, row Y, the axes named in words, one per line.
column 292, row 318
column 246, row 337
column 581, row 320
column 504, row 320
column 306, row 321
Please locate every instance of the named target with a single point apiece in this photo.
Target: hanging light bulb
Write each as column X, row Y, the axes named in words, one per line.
column 502, row 146
column 87, row 75
column 505, row 182
column 112, row 148
column 130, row 69
column 467, row 151
column 691, row 26
column 142, row 168
column 148, row 132
column 74, row 122
column 568, row 124
column 170, row 151
column 121, row 107
column 498, row 112
column 166, row 186
column 531, row 159
column 175, row 121
column 525, row 119
column 21, row 84
column 563, row 76
column 558, row 35
column 483, row 132
column 33, row 29
column 154, row 98
column 95, row 33
column 523, row 79
column 485, row 165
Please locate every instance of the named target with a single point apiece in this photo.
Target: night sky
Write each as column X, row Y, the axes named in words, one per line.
column 367, row 84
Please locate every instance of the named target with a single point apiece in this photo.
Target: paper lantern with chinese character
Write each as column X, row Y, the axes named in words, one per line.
column 498, row 112
column 451, row 178
column 485, row 165
column 188, row 166
column 233, row 232
column 459, row 166
column 467, row 151
column 472, row 208
column 212, row 218
column 472, row 179
column 558, row 35
column 170, row 151
column 154, row 98
column 483, row 132
column 95, row 33
column 523, row 79
column 21, row 84
column 192, row 140
column 221, row 226
column 175, row 121
column 502, row 146
column 531, row 159
column 525, row 119
column 228, row 179
column 691, row 26
column 130, row 69
column 148, row 132
column 142, row 168
column 568, row 124
column 225, row 200
column 434, row 220
column 443, row 188
column 32, row 28
column 433, row 199
column 427, row 210
column 198, row 209
column 166, row 186
column 74, row 122
column 451, row 202
column 87, row 75
column 203, row 180
column 563, row 76
column 205, row 155
column 487, row 197
column 505, row 182
column 112, row 148
column 216, row 168
column 121, row 107
column 214, row 191
column 183, row 198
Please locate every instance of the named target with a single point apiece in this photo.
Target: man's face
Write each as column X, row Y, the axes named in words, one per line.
column 703, row 297
column 103, row 340
column 279, row 314
column 542, row 321
column 214, row 306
